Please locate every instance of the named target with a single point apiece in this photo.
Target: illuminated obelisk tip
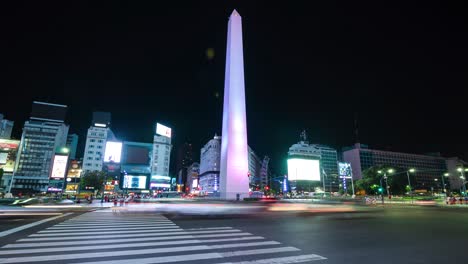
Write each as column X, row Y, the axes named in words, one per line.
column 234, row 181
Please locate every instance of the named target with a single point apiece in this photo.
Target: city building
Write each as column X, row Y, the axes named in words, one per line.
column 43, row 134
column 255, row 166
column 193, row 172
column 210, row 156
column 329, row 166
column 72, row 145
column 96, row 139
column 161, row 151
column 136, row 166
column 8, row 153
column 427, row 167
column 6, row 127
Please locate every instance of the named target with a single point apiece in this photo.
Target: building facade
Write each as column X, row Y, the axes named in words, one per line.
column 6, row 127
column 255, row 169
column 161, row 155
column 43, row 134
column 192, row 177
column 72, row 145
column 136, row 165
column 96, row 138
column 210, row 156
column 8, row 154
column 329, row 166
column 428, row 167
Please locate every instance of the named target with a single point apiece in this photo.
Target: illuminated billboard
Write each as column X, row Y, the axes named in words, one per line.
column 303, row 169
column 59, row 167
column 344, row 170
column 134, row 182
column 163, row 130
column 113, row 152
column 8, row 151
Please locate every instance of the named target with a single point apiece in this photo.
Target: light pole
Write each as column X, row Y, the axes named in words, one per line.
column 462, row 177
column 443, row 183
column 409, row 183
column 386, row 181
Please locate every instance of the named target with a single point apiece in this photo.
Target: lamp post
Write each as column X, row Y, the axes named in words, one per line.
column 462, row 177
column 409, row 183
column 386, row 181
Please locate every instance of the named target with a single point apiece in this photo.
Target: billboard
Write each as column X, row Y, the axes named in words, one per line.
column 163, row 130
column 303, row 169
column 8, row 151
column 59, row 167
column 113, row 152
column 134, row 182
column 344, row 170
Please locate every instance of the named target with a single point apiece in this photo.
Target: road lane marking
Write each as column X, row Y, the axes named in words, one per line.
column 23, row 227
column 127, row 240
column 193, row 257
column 74, row 230
column 181, row 232
column 282, row 260
column 169, row 229
column 112, row 246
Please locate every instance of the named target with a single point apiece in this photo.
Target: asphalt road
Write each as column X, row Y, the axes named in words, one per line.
column 394, row 235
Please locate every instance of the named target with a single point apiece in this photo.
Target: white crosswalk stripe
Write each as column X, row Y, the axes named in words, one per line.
column 99, row 238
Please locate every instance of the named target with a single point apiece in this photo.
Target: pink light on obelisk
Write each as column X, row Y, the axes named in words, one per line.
column 234, row 154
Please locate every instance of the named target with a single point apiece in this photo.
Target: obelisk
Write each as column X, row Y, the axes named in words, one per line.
column 234, row 180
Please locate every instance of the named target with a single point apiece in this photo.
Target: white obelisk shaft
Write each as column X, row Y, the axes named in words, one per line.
column 234, row 179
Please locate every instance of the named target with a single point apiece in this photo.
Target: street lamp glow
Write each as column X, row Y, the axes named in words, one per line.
column 466, row 169
column 390, row 171
column 65, row 150
column 446, row 174
column 379, row 172
column 412, row 170
column 459, row 169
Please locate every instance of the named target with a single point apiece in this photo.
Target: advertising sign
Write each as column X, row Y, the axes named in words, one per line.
column 113, row 152
column 59, row 167
column 303, row 169
column 163, row 130
column 8, row 151
column 344, row 170
column 134, row 182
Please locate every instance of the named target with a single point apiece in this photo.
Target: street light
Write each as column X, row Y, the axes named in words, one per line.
column 386, row 181
column 412, row 170
column 462, row 177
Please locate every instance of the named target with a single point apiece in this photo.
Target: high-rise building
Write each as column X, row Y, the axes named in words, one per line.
column 428, row 167
column 193, row 172
column 136, row 165
column 72, row 145
column 43, row 134
column 210, row 156
column 456, row 170
column 161, row 151
column 98, row 134
column 255, row 166
column 329, row 166
column 6, row 127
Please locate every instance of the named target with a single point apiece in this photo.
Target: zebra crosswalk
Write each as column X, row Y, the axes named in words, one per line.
column 98, row 238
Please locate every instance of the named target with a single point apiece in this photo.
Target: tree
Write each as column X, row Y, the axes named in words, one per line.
column 370, row 182
column 94, row 179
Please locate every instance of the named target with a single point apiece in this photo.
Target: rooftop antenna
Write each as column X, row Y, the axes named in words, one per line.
column 304, row 136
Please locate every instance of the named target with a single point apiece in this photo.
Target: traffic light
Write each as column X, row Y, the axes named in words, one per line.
column 267, row 188
column 380, row 190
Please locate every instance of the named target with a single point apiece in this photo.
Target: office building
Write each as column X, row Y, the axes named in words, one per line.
column 193, row 172
column 161, row 151
column 6, row 127
column 329, row 166
column 428, row 167
column 72, row 145
column 456, row 172
column 255, row 166
column 43, row 134
column 210, row 156
column 136, row 166
column 96, row 139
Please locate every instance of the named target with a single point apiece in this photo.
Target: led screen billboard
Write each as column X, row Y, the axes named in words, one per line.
column 134, row 182
column 303, row 169
column 344, row 170
column 163, row 130
column 59, row 167
column 113, row 152
column 8, row 151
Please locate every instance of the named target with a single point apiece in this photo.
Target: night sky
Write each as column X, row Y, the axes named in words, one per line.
column 401, row 68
